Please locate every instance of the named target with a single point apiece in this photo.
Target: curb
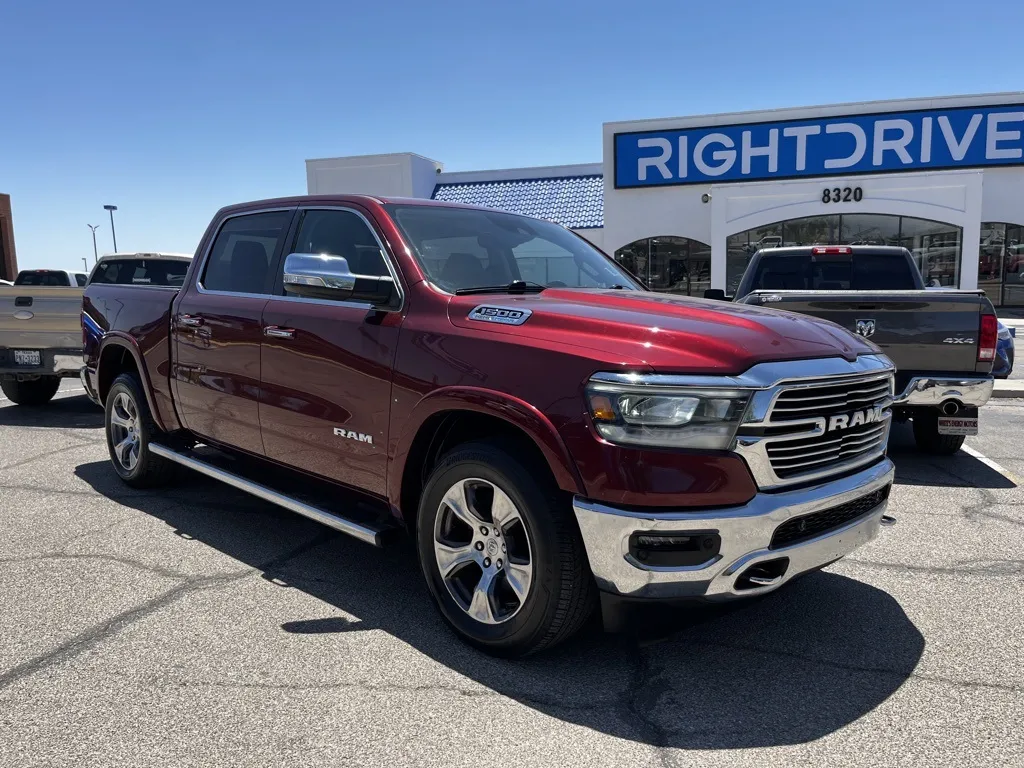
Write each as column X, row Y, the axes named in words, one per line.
column 1006, row 388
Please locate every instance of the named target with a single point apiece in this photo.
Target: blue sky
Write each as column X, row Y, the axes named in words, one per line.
column 172, row 110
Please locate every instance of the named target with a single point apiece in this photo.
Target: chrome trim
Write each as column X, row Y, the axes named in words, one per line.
column 926, row 390
column 746, row 534
column 329, row 519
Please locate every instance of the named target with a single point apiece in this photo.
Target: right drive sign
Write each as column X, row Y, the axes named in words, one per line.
column 958, row 425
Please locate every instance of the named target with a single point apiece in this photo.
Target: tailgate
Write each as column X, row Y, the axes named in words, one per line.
column 918, row 330
column 40, row 318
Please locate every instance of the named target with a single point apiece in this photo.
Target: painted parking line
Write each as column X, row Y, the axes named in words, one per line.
column 991, row 464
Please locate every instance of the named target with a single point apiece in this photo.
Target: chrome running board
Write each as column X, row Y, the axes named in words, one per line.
column 362, row 532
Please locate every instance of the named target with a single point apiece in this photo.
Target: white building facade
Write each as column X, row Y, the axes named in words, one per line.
column 684, row 202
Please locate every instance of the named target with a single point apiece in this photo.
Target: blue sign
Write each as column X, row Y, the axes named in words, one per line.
column 968, row 137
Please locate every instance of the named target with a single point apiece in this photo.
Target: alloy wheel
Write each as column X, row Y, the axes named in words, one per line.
column 483, row 551
column 124, row 431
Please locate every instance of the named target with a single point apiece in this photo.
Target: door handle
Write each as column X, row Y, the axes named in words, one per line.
column 276, row 332
column 190, row 320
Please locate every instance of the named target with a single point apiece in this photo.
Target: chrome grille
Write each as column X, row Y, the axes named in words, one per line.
column 807, row 409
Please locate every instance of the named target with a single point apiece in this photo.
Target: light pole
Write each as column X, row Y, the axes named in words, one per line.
column 85, row 263
column 113, row 234
column 95, row 253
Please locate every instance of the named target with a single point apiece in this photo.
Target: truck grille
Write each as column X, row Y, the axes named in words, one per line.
column 805, row 527
column 816, row 407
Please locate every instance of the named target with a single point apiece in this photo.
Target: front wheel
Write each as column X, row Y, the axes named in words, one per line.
column 501, row 552
column 130, row 429
column 36, row 392
column 928, row 439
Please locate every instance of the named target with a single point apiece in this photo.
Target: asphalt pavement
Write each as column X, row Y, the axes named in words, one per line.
column 196, row 626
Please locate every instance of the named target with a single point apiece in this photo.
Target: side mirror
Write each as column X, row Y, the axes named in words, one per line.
column 321, row 276
column 715, row 293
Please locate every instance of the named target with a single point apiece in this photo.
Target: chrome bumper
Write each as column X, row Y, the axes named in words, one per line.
column 925, row 390
column 746, row 534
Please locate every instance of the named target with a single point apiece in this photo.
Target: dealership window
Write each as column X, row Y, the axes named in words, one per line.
column 1000, row 262
column 936, row 246
column 669, row 264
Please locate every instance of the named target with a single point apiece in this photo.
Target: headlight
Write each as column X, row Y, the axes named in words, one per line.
column 1003, row 332
column 681, row 417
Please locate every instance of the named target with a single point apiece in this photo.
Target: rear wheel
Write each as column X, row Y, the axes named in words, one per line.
column 927, row 437
column 130, row 429
column 37, row 392
column 501, row 552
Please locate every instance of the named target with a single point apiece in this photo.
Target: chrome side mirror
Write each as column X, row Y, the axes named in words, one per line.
column 322, row 276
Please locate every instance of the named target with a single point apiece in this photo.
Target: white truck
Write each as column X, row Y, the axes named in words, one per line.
column 41, row 319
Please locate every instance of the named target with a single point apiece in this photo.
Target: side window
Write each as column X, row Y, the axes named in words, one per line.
column 80, row 279
column 342, row 233
column 240, row 259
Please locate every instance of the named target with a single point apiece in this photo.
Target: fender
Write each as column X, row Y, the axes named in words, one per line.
column 516, row 412
column 123, row 340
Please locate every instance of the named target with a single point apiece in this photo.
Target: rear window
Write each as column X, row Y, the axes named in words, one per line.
column 834, row 272
column 43, row 277
column 162, row 272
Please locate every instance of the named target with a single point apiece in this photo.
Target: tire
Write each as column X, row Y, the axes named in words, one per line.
column 130, row 428
column 928, row 439
column 539, row 537
column 37, row 392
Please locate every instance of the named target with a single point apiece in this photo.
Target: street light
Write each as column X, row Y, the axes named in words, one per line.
column 113, row 234
column 95, row 253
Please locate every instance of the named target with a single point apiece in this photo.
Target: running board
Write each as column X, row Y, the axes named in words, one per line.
column 362, row 532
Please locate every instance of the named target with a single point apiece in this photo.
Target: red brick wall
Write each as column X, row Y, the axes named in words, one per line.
column 8, row 256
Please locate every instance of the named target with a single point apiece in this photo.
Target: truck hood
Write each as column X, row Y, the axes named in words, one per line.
column 666, row 332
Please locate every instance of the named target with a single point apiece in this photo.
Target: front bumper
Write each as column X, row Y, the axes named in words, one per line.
column 746, row 534
column 934, row 391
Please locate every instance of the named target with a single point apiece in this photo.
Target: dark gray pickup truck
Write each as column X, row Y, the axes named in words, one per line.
column 942, row 341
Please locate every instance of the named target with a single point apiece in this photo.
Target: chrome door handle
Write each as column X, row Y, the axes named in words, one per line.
column 275, row 332
column 190, row 320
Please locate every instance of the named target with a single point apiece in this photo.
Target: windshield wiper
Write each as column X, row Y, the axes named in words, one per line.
column 516, row 286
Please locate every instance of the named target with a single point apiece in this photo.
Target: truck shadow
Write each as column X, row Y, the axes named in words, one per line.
column 961, row 470
column 788, row 668
column 61, row 412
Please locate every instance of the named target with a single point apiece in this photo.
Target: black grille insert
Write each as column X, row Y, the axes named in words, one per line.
column 806, row 527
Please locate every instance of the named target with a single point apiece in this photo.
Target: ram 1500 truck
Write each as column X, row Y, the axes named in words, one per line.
column 546, row 429
column 943, row 342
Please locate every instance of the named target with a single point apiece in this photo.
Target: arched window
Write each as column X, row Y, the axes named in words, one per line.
column 1001, row 262
column 936, row 246
column 669, row 264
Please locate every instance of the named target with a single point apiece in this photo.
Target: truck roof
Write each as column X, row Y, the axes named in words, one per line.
column 803, row 250
column 343, row 199
column 146, row 255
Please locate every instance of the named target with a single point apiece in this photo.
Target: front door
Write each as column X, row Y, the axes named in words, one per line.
column 217, row 329
column 326, row 370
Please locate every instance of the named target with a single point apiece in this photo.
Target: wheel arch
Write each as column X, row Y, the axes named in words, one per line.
column 120, row 354
column 455, row 415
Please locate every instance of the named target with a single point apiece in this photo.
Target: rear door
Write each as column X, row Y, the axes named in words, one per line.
column 327, row 364
column 216, row 330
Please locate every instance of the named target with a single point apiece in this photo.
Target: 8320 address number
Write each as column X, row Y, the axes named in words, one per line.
column 842, row 194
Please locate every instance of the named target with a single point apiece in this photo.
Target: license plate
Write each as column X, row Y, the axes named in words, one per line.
column 957, row 425
column 26, row 357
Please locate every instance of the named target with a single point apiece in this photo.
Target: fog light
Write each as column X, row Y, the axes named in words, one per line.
column 675, row 550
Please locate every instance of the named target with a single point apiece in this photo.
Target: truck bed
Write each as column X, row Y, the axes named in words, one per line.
column 922, row 331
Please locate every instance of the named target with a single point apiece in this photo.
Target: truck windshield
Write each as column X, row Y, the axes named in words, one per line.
column 463, row 248
column 43, row 277
column 141, row 272
column 833, row 272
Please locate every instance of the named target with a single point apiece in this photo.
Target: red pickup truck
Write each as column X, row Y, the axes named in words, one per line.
column 548, row 431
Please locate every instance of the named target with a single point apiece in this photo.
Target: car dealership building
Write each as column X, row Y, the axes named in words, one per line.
column 684, row 202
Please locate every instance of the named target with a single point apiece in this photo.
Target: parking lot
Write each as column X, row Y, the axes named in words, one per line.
column 197, row 626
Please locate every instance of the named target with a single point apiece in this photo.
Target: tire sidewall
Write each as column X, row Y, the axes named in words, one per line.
column 532, row 502
column 127, row 385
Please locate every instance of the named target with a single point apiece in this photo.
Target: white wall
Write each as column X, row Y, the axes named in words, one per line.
column 402, row 174
column 594, row 235
column 1002, row 198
